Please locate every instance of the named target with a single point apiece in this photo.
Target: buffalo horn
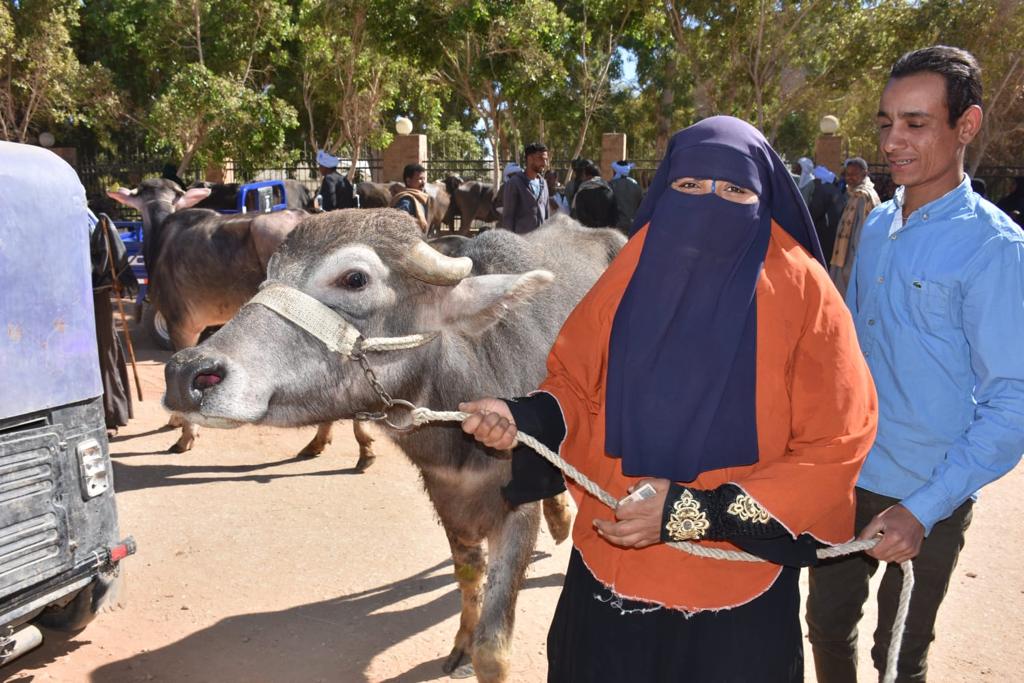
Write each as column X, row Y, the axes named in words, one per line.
column 429, row 265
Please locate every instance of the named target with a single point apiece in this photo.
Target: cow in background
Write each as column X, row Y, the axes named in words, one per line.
column 203, row 266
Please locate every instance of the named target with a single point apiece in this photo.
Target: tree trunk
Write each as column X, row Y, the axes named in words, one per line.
column 668, row 96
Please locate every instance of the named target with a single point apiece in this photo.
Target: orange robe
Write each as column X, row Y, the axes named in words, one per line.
column 816, row 418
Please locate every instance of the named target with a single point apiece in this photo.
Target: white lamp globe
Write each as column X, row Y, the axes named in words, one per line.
column 403, row 126
column 828, row 124
column 46, row 139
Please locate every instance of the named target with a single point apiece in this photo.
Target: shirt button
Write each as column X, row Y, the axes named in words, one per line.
column 893, row 236
column 871, row 321
column 867, row 353
column 924, row 217
column 881, row 279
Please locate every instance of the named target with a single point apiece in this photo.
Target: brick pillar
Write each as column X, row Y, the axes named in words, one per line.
column 828, row 152
column 405, row 149
column 613, row 148
column 220, row 173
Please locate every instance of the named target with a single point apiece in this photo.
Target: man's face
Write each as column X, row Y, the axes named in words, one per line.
column 854, row 175
column 915, row 136
column 537, row 162
column 416, row 181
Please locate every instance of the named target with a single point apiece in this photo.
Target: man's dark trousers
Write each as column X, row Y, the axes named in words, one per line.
column 839, row 588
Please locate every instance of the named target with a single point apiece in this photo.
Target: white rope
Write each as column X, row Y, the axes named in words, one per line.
column 421, row 416
column 319, row 320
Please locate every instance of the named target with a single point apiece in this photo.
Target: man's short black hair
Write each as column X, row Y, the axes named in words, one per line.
column 534, row 148
column 956, row 65
column 591, row 170
column 411, row 170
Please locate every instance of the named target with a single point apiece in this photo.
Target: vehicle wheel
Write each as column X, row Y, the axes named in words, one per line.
column 71, row 617
column 155, row 325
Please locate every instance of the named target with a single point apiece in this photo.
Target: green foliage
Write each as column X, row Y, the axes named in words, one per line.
column 210, row 118
column 454, row 143
column 210, row 79
column 42, row 82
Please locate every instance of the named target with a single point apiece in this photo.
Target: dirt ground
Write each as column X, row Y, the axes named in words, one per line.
column 257, row 567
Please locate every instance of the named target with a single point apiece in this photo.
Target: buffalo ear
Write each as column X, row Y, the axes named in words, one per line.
column 123, row 195
column 191, row 197
column 477, row 303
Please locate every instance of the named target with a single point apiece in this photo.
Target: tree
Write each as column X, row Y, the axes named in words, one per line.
column 200, row 74
column 495, row 54
column 761, row 60
column 352, row 71
column 42, row 82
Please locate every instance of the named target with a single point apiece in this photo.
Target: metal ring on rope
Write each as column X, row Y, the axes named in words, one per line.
column 421, row 416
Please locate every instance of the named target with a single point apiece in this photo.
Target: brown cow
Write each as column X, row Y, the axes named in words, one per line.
column 203, row 266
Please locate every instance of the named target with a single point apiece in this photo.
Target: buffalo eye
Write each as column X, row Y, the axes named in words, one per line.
column 352, row 279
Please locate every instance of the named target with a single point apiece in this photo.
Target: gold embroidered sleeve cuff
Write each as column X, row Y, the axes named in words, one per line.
column 719, row 514
column 686, row 520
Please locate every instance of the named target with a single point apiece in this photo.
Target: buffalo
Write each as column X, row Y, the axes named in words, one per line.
column 409, row 322
column 471, row 200
column 203, row 266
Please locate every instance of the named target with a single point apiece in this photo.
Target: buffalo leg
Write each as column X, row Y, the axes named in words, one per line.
column 183, row 337
column 322, row 439
column 509, row 549
column 365, row 440
column 469, row 572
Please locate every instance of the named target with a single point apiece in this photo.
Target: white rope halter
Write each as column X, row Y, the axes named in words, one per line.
column 320, row 321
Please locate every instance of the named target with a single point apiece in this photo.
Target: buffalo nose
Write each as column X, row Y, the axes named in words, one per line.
column 191, row 373
column 207, row 379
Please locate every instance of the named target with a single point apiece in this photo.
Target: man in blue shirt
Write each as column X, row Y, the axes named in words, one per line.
column 936, row 292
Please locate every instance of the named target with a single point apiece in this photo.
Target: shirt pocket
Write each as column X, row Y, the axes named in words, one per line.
column 928, row 304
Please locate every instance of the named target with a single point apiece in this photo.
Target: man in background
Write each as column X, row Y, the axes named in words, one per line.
column 861, row 199
column 628, row 194
column 413, row 199
column 824, row 208
column 336, row 191
column 525, row 197
column 594, row 202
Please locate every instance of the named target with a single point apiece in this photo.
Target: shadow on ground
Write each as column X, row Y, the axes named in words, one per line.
column 131, row 477
column 330, row 641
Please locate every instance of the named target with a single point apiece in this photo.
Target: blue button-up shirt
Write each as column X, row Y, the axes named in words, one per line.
column 939, row 307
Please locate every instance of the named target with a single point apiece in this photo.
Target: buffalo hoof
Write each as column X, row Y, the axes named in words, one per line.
column 456, row 660
column 364, row 462
column 181, row 445
column 464, row 671
column 558, row 515
column 309, row 451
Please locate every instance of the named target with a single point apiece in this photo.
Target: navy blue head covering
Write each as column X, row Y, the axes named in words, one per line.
column 682, row 367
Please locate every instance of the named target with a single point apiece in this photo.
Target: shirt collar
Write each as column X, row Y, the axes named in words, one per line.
column 959, row 196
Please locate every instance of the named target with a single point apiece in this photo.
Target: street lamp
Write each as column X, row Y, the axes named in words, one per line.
column 828, row 125
column 403, row 126
column 46, row 139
